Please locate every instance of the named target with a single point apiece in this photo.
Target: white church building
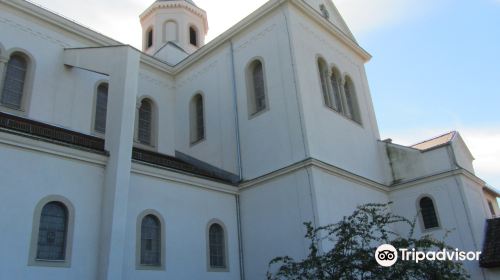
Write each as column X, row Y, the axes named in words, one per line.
column 194, row 161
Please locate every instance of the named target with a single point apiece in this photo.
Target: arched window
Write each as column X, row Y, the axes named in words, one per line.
column 101, row 108
column 151, row 241
column 428, row 212
column 492, row 208
column 336, row 98
column 144, row 128
column 325, row 87
column 193, row 36
column 14, row 82
column 197, row 119
column 52, row 232
column 149, row 38
column 257, row 100
column 217, row 247
column 352, row 107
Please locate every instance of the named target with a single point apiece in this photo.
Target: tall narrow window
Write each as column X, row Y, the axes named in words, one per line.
column 197, row 119
column 428, row 213
column 14, row 82
column 193, row 36
column 336, row 99
column 325, row 87
column 217, row 247
column 151, row 241
column 352, row 107
column 52, row 233
column 149, row 38
column 145, row 122
column 492, row 209
column 101, row 108
column 257, row 100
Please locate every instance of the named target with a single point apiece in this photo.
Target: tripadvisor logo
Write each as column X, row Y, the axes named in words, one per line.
column 386, row 255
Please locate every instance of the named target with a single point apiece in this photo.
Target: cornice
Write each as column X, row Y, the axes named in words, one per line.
column 31, row 143
column 179, row 177
column 60, row 21
column 176, row 4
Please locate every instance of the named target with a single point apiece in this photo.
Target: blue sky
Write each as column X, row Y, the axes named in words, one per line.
column 439, row 70
column 435, row 66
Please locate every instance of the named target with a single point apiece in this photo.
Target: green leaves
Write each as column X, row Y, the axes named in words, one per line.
column 353, row 242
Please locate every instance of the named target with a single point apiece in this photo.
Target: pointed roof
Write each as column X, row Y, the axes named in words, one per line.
column 435, row 142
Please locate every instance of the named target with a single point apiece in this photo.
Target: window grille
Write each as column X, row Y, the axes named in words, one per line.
column 15, row 78
column 428, row 212
column 52, row 232
column 150, row 241
column 145, row 119
column 217, row 246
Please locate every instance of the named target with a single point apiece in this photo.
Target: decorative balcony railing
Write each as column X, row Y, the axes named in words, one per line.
column 50, row 132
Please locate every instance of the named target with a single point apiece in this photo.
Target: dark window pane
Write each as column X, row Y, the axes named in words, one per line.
column 150, row 38
column 428, row 213
column 101, row 108
column 193, row 37
column 217, row 246
column 15, row 75
column 200, row 122
column 150, row 241
column 259, row 87
column 52, row 232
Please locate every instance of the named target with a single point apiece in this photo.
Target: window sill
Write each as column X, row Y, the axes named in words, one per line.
column 192, row 144
column 215, row 269
column 360, row 124
column 150, row 267
column 257, row 114
column 12, row 111
column 50, row 263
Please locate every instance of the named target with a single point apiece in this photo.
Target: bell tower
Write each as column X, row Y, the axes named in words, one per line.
column 177, row 21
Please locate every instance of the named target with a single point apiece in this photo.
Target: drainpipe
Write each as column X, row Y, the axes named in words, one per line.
column 240, row 168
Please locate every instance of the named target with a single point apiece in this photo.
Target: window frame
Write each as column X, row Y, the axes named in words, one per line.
column 250, row 86
column 193, row 120
column 154, row 124
column 226, row 257
column 192, row 28
column 149, row 38
column 94, row 109
column 354, row 113
column 138, row 264
column 66, row 263
column 28, row 80
column 421, row 218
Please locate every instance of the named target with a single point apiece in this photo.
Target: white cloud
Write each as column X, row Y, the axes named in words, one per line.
column 368, row 15
column 483, row 142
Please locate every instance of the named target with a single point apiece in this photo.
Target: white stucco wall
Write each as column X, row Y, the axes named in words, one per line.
column 59, row 95
column 453, row 215
column 330, row 135
column 186, row 210
column 34, row 176
column 337, row 197
column 272, row 217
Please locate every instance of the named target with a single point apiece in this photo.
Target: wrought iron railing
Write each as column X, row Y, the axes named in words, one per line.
column 50, row 132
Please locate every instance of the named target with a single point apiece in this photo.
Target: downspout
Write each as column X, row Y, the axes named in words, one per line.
column 240, row 166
